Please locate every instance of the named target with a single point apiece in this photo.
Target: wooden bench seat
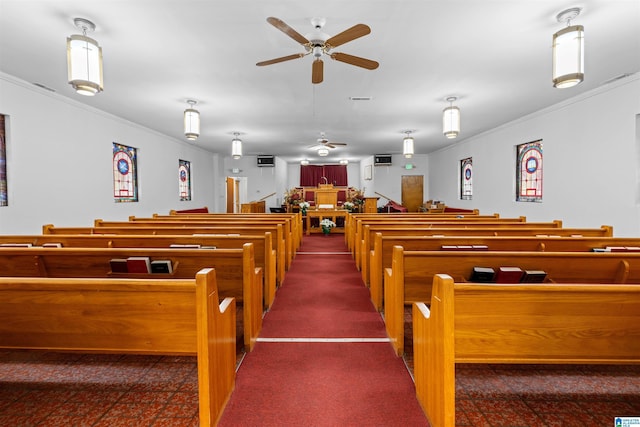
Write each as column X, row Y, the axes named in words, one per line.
column 491, row 323
column 276, row 232
column 136, row 316
column 236, row 273
column 410, row 276
column 380, row 255
column 265, row 256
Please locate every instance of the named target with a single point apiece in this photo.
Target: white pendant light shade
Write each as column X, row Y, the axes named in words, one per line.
column 84, row 60
column 191, row 122
column 451, row 120
column 236, row 148
column 568, row 52
column 323, row 152
column 407, row 146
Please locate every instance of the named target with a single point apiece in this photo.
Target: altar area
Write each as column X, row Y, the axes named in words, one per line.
column 332, row 214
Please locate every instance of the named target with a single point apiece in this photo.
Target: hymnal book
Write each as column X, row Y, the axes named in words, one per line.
column 509, row 275
column 52, row 245
column 465, row 247
column 138, row 264
column 185, row 246
column 16, row 245
column 533, row 276
column 449, row 248
column 161, row 266
column 480, row 247
column 208, row 247
column 119, row 265
column 482, row 274
column 616, row 249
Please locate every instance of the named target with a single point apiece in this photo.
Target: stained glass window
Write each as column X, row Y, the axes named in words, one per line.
column 466, row 179
column 184, row 179
column 529, row 172
column 125, row 173
column 4, row 201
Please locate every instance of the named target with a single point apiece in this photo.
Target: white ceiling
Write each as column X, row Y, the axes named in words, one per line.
column 495, row 56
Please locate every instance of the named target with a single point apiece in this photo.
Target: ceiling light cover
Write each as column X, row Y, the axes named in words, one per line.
column 84, row 60
column 236, row 148
column 344, row 162
column 304, row 162
column 407, row 146
column 568, row 52
column 451, row 119
column 191, row 122
column 322, row 152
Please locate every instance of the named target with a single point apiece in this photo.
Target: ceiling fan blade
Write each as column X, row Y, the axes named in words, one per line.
column 279, row 24
column 337, row 143
column 355, row 60
column 352, row 33
column 281, row 59
column 317, row 70
column 329, row 145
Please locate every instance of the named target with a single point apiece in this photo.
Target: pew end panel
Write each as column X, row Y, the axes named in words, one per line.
column 181, row 317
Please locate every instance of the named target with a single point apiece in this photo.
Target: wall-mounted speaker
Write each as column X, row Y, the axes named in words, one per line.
column 382, row 160
column 266, row 161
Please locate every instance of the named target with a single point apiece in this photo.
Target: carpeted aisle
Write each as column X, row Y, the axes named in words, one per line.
column 323, row 358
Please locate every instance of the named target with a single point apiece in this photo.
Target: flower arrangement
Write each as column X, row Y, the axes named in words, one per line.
column 293, row 196
column 327, row 225
column 349, row 206
column 303, row 207
column 356, row 196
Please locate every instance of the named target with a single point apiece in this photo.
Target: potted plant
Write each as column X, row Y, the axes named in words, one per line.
column 303, row 207
column 327, row 225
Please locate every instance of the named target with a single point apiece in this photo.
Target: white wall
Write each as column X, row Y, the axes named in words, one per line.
column 59, row 163
column 590, row 166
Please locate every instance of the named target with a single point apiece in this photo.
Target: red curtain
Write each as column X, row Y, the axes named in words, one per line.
column 312, row 175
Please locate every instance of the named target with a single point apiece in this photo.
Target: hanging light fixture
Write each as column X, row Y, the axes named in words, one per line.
column 407, row 145
column 322, row 152
column 236, row 146
column 451, row 119
column 568, row 51
column 344, row 162
column 304, row 162
column 84, row 60
column 191, row 121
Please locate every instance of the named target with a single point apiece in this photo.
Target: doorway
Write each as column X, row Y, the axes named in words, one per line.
column 236, row 192
column 412, row 192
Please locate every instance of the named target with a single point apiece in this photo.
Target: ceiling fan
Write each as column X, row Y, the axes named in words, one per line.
column 319, row 44
column 322, row 141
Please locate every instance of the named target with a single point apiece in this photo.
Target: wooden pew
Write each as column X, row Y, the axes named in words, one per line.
column 277, row 233
column 279, row 229
column 128, row 316
column 362, row 243
column 470, row 230
column 380, row 255
column 411, row 274
column 236, row 273
column 490, row 323
column 265, row 256
column 296, row 219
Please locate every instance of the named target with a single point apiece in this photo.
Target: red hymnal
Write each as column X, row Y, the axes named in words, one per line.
column 509, row 275
column 138, row 264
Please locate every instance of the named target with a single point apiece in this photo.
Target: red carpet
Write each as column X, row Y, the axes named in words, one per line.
column 352, row 383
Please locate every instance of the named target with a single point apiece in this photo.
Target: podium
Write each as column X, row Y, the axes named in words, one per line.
column 371, row 204
column 327, row 195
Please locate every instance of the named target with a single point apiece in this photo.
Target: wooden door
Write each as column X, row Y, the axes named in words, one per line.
column 412, row 192
column 231, row 194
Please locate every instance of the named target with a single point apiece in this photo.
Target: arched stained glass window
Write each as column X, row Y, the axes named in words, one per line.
column 125, row 171
column 4, row 201
column 529, row 172
column 184, row 179
column 466, row 179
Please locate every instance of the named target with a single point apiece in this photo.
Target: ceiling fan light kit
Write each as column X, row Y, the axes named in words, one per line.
column 320, row 44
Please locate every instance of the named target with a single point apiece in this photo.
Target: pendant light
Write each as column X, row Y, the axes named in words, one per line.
column 322, row 152
column 191, row 121
column 236, row 146
column 407, row 145
column 84, row 60
column 451, row 119
column 304, row 162
column 568, row 51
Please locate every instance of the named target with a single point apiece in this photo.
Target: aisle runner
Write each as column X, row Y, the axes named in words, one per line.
column 323, row 357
